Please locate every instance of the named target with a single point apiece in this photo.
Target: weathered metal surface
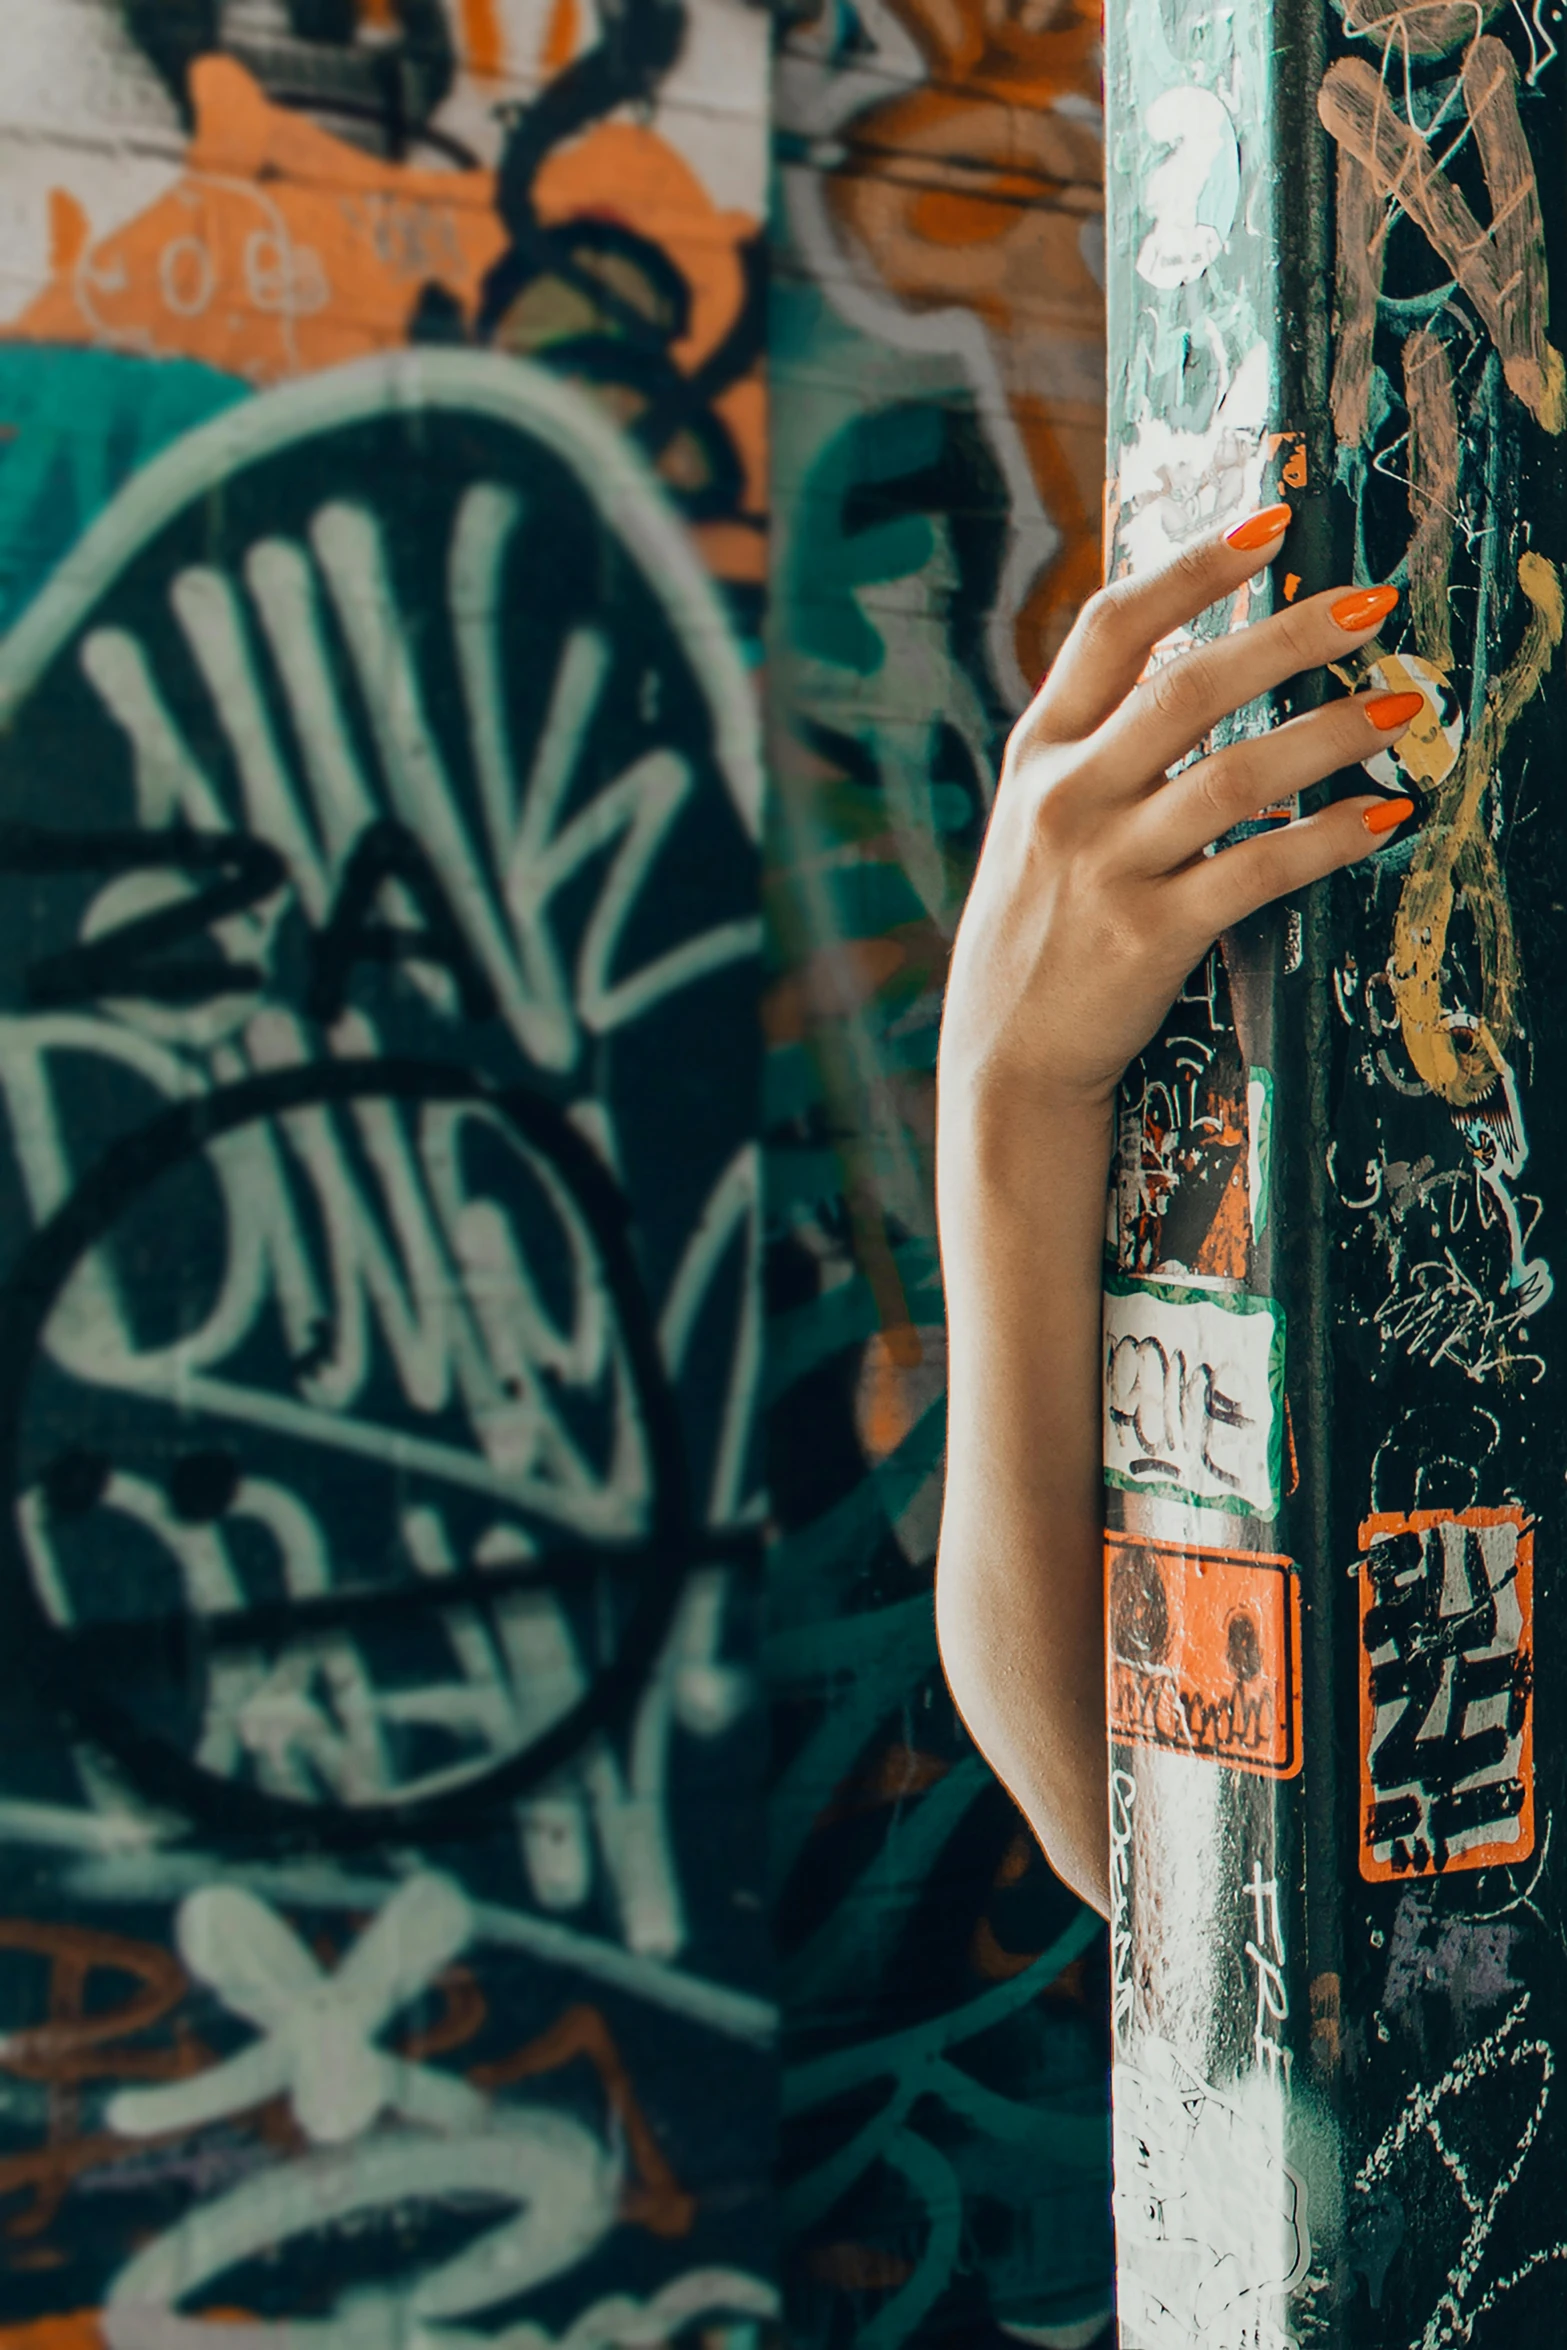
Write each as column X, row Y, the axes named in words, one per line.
column 1336, row 1951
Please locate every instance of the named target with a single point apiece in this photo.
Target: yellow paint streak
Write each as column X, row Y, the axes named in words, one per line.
column 1462, row 1062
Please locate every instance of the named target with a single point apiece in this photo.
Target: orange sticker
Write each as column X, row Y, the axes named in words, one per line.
column 1204, row 1653
column 1446, row 1692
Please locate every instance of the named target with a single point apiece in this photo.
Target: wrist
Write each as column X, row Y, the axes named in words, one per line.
column 1000, row 1118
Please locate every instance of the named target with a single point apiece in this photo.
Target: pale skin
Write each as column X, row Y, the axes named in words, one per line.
column 1093, row 901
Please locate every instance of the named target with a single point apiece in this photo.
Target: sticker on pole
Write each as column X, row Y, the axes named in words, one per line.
column 1446, row 1692
column 1194, row 1394
column 1204, row 1653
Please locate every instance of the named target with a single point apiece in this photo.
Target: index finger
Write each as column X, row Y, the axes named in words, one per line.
column 1117, row 629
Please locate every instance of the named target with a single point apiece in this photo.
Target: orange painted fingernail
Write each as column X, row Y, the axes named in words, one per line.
column 1269, row 522
column 1364, row 608
column 1387, row 814
column 1389, row 712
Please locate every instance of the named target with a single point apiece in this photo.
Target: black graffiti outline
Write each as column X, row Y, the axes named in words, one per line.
column 220, row 1809
column 246, row 870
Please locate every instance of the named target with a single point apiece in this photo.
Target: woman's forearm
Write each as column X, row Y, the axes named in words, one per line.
column 1096, row 893
column 1019, row 1591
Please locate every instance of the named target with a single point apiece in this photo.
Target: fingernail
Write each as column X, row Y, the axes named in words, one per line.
column 1387, row 814
column 1364, row 608
column 1390, row 712
column 1269, row 522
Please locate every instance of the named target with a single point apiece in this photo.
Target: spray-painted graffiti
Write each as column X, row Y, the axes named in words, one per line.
column 1447, row 407
column 1338, row 233
column 936, row 401
column 381, row 509
column 382, row 506
column 1430, row 391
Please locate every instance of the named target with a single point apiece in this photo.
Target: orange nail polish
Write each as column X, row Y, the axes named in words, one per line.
column 1364, row 608
column 1387, row 814
column 1392, row 712
column 1269, row 522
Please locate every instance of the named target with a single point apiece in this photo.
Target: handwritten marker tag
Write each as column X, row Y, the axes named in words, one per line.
column 1193, row 1394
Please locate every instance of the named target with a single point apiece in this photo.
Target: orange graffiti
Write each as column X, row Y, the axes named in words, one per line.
column 77, row 2043
column 626, row 173
column 892, row 1776
column 890, row 1404
column 1433, row 490
column 994, row 1959
column 560, row 41
column 1502, row 267
column 483, row 47
column 79, row 2331
column 89, row 2034
column 655, row 2199
column 976, row 190
column 281, row 248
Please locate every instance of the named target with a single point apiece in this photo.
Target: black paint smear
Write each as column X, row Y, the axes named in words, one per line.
column 128, row 960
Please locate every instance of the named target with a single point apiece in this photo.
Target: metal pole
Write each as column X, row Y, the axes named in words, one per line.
column 1331, row 1426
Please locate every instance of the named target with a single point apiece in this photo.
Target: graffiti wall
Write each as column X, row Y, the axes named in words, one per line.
column 382, row 479
column 937, row 408
column 411, row 1389
column 1336, row 1988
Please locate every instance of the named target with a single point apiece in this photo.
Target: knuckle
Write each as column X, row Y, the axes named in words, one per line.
column 1220, row 787
column 1054, row 828
column 1337, row 736
column 1299, row 635
column 1019, row 744
column 1179, row 691
column 1103, row 621
column 1195, row 566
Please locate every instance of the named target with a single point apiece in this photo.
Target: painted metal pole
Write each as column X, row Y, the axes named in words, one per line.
column 1332, row 1389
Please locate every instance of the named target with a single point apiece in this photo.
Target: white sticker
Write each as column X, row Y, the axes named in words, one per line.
column 1193, row 1381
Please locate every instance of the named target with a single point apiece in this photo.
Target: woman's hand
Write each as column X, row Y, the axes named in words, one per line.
column 1094, row 898
column 1093, row 901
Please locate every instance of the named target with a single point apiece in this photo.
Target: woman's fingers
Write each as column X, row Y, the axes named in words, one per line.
column 1171, row 711
column 1177, row 823
column 1118, row 628
column 1222, row 890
